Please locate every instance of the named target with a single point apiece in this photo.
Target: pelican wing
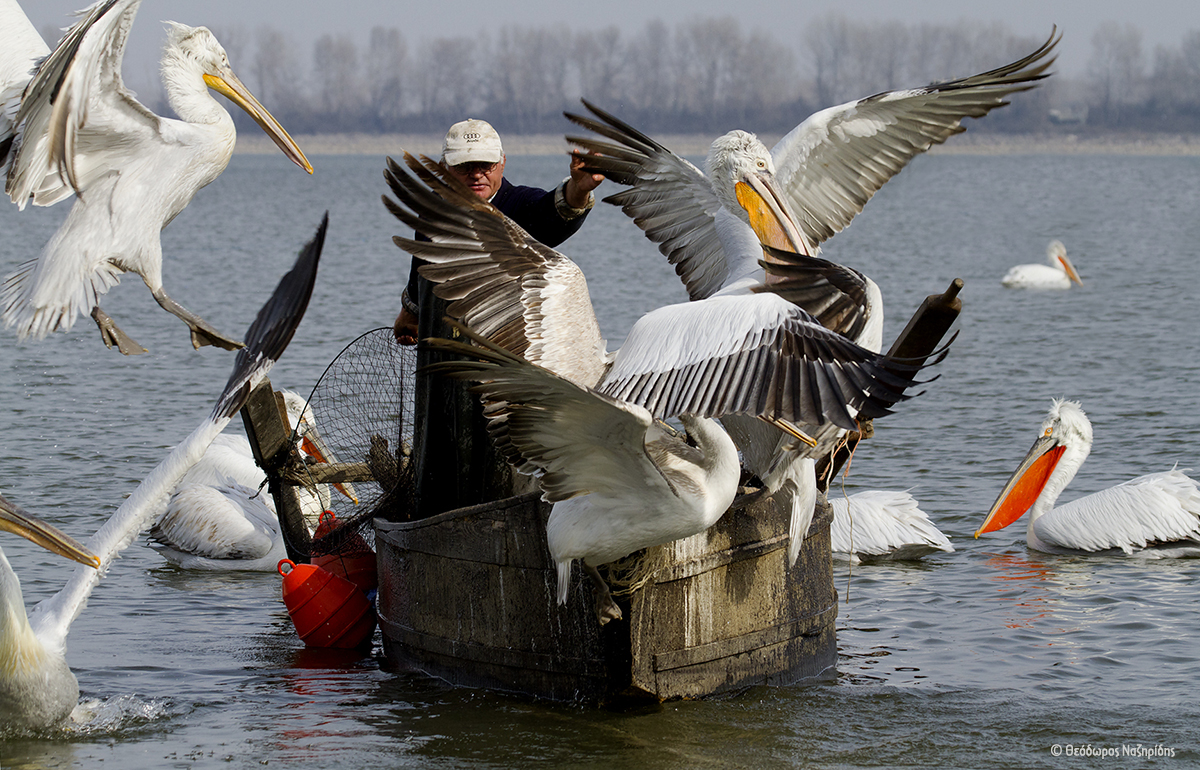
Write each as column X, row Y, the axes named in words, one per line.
column 228, row 521
column 836, row 295
column 885, row 523
column 20, row 51
column 1153, row 509
column 574, row 439
column 669, row 198
column 755, row 354
column 503, row 284
column 77, row 120
column 832, row 163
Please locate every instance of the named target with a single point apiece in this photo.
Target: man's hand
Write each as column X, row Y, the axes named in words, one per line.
column 405, row 328
column 581, row 184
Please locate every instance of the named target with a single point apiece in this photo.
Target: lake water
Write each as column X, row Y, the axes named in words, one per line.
column 987, row 657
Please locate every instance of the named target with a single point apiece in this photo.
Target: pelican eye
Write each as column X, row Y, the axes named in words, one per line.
column 1048, row 432
column 761, row 163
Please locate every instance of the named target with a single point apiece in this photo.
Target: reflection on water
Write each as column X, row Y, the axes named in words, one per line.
column 982, row 657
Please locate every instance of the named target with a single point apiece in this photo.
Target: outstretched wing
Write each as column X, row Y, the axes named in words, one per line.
column 574, row 439
column 755, row 354
column 503, row 284
column 669, row 198
column 21, row 49
column 77, row 120
column 832, row 163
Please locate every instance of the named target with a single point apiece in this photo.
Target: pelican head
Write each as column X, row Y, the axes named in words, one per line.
column 743, row 178
column 194, row 51
column 1056, row 256
column 302, row 420
column 1066, row 428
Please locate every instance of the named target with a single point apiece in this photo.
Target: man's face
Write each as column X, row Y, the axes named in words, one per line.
column 483, row 178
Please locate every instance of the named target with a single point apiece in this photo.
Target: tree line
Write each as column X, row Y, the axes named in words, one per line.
column 699, row 76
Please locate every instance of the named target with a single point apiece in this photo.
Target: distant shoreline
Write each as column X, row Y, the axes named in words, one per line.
column 968, row 143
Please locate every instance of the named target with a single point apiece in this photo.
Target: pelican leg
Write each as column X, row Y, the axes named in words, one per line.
column 202, row 332
column 606, row 608
column 112, row 334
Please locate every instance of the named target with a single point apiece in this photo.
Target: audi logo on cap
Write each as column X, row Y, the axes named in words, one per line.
column 472, row 137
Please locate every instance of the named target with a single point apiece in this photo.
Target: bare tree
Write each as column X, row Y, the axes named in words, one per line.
column 274, row 69
column 341, row 94
column 526, row 82
column 603, row 64
column 386, row 69
column 1116, row 70
column 445, row 82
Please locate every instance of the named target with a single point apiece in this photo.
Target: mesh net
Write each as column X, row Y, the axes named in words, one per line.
column 363, row 409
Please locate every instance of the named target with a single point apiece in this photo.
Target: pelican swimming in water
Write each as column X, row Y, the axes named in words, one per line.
column 37, row 686
column 1157, row 514
column 79, row 130
column 739, row 352
column 882, row 525
column 1058, row 273
column 220, row 518
column 620, row 481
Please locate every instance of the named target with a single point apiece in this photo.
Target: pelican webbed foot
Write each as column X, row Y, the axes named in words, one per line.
column 111, row 334
column 202, row 332
column 606, row 608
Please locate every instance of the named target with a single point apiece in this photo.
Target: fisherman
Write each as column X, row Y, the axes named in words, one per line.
column 456, row 465
column 473, row 153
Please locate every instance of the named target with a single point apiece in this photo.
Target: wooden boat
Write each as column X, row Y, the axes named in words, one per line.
column 472, row 600
column 469, row 594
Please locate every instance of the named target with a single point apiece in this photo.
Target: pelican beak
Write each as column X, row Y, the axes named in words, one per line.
column 19, row 522
column 314, row 447
column 229, row 86
column 1072, row 273
column 770, row 217
column 1024, row 486
column 790, row 429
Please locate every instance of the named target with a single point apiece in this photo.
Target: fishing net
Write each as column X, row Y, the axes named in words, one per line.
column 363, row 409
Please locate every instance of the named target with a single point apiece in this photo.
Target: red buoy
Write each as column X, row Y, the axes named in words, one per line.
column 354, row 561
column 327, row 609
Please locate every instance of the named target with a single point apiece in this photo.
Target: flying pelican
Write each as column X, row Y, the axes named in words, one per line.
column 219, row 518
column 1057, row 274
column 883, row 524
column 1159, row 512
column 22, row 48
column 713, row 226
column 740, row 351
column 620, row 481
column 38, row 687
column 79, row 130
column 825, row 169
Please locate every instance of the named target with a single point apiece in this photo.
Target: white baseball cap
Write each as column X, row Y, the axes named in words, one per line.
column 471, row 141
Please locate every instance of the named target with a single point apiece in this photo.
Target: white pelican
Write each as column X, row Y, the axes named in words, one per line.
column 620, row 481
column 1159, row 512
column 22, row 703
column 220, row 517
column 1058, row 273
column 882, row 524
column 79, row 130
column 824, row 170
column 20, row 52
column 737, row 352
column 40, row 690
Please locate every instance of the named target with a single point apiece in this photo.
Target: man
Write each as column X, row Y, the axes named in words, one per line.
column 473, row 153
column 456, row 465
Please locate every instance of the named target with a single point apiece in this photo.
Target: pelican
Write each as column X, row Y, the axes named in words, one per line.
column 38, row 687
column 1058, row 273
column 883, row 525
column 742, row 351
column 219, row 518
column 22, row 49
column 1157, row 514
column 79, row 130
column 825, row 169
column 620, row 481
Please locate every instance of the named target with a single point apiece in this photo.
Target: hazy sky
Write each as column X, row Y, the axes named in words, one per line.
column 1161, row 21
